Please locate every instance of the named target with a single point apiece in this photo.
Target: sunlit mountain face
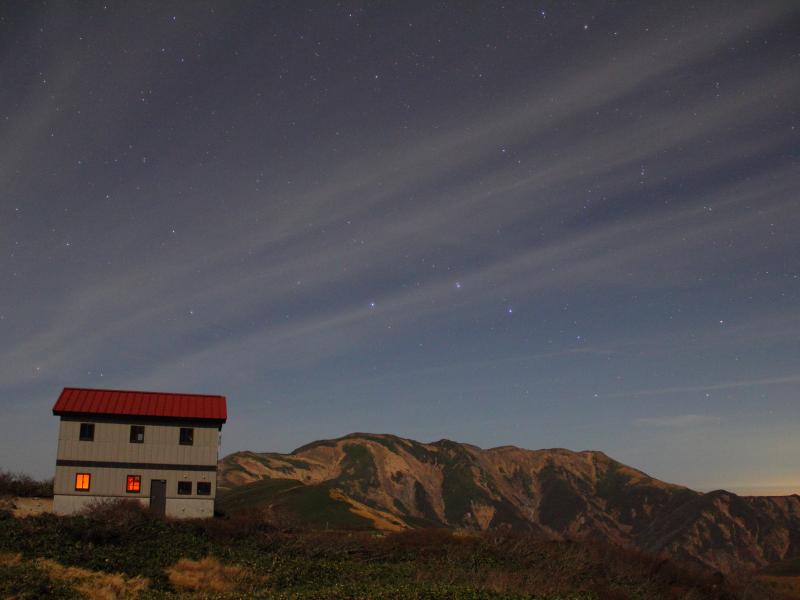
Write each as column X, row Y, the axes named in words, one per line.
column 383, row 482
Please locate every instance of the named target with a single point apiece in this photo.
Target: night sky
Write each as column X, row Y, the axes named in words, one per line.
column 546, row 223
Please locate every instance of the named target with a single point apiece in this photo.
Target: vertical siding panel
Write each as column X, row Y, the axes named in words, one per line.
column 115, row 449
column 127, row 451
column 164, row 451
column 159, row 454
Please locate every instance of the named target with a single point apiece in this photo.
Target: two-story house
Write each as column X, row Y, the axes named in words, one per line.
column 158, row 448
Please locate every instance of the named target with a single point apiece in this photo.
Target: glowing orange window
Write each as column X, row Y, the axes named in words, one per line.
column 82, row 481
column 134, row 484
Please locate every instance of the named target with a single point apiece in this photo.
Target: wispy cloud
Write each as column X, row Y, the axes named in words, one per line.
column 726, row 385
column 678, row 421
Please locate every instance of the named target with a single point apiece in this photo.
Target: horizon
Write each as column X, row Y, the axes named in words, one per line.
column 524, row 224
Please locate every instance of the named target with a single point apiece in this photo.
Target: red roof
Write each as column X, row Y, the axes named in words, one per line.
column 141, row 404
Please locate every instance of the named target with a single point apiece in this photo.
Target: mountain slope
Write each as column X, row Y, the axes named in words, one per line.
column 390, row 482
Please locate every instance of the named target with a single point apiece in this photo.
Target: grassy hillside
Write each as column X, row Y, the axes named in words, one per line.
column 118, row 551
column 787, row 568
column 311, row 506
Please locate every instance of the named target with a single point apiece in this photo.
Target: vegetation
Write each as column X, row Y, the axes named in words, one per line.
column 259, row 492
column 423, row 502
column 560, row 503
column 358, row 468
column 784, row 568
column 295, row 462
column 292, row 504
column 523, row 480
column 125, row 551
column 23, row 579
column 459, row 488
column 19, row 484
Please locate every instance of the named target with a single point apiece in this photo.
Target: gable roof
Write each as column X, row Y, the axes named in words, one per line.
column 84, row 401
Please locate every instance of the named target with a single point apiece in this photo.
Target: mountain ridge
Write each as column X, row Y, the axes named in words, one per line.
column 388, row 482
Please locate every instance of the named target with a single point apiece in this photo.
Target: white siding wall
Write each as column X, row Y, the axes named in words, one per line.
column 111, row 481
column 112, row 443
column 161, row 447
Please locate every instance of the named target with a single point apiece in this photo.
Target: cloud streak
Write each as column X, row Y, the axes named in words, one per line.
column 678, row 421
column 727, row 385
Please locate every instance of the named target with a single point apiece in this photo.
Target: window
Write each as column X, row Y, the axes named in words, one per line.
column 187, row 436
column 134, row 485
column 137, row 434
column 203, row 488
column 82, row 481
column 87, row 432
column 185, row 488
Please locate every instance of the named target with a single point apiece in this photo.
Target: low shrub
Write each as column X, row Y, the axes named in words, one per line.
column 19, row 484
column 240, row 526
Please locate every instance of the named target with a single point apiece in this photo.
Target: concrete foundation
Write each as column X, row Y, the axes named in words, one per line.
column 177, row 508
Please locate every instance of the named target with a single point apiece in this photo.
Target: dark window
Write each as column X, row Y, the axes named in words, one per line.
column 134, row 485
column 185, row 488
column 87, row 432
column 82, row 482
column 187, row 436
column 137, row 434
column 203, row 488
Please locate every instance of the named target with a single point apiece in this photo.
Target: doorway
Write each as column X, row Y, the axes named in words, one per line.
column 158, row 496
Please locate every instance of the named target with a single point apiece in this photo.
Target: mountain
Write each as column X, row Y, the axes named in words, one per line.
column 387, row 482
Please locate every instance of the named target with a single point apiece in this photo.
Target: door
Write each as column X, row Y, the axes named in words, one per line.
column 158, row 496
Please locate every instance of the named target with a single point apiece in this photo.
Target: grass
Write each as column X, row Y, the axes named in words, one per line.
column 239, row 557
column 296, row 462
column 785, row 568
column 783, row 577
column 293, row 503
column 23, row 580
column 459, row 489
column 560, row 504
column 523, row 480
column 358, row 469
column 207, row 574
column 787, row 587
column 259, row 492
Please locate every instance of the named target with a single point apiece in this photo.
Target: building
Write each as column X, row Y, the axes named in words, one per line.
column 160, row 449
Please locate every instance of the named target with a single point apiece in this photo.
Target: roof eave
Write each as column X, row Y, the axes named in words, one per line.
column 63, row 413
